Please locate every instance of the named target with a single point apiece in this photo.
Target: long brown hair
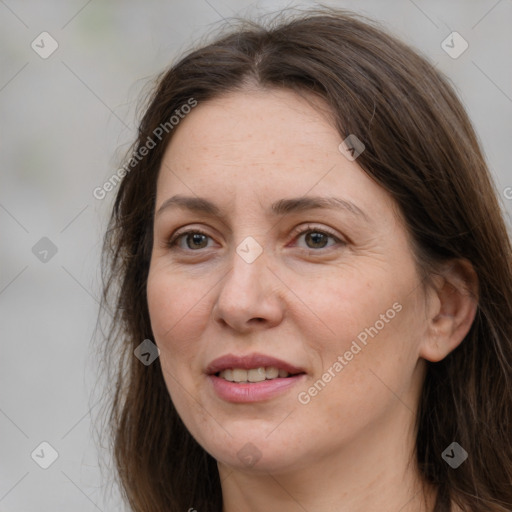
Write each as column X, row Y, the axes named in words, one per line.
column 421, row 148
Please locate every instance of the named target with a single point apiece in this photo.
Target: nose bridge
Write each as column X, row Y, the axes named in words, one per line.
column 248, row 259
column 248, row 264
column 246, row 292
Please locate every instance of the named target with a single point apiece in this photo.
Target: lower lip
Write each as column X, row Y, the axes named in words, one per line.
column 252, row 391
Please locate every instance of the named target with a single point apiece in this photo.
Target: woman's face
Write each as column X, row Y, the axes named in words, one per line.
column 269, row 242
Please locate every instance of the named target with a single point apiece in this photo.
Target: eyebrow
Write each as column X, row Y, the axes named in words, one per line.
column 278, row 209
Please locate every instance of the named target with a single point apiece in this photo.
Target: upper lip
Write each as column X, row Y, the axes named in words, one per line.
column 249, row 361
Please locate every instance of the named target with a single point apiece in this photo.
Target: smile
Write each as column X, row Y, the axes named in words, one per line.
column 247, row 392
column 253, row 374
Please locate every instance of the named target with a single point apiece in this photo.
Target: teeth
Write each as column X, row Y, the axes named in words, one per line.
column 228, row 375
column 256, row 375
column 271, row 372
column 253, row 375
column 239, row 375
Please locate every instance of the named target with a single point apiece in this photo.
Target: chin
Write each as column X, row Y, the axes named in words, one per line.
column 258, row 455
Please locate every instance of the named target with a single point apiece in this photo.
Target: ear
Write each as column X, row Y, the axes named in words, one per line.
column 452, row 306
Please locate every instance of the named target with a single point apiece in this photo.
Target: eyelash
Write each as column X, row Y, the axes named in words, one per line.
column 172, row 243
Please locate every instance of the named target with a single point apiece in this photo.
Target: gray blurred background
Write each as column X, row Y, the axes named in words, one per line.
column 67, row 114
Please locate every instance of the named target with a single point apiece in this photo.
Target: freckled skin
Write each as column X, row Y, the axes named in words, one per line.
column 348, row 448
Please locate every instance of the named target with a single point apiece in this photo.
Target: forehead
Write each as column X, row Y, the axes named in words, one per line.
column 254, row 124
column 267, row 143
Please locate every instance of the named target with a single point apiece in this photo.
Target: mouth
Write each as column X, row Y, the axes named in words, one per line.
column 252, row 378
column 251, row 368
column 241, row 375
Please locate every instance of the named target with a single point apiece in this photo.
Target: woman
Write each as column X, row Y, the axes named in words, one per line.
column 308, row 232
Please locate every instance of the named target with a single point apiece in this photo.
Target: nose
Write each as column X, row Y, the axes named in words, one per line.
column 250, row 297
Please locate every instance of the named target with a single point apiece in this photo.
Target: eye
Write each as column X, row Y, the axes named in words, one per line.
column 190, row 240
column 318, row 238
column 315, row 238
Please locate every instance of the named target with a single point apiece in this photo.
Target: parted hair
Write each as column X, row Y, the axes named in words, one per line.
column 421, row 148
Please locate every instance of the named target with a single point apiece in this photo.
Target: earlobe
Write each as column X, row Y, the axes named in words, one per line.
column 456, row 292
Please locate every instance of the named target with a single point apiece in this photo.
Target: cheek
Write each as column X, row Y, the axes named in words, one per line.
column 347, row 302
column 367, row 342
column 178, row 313
column 357, row 383
column 178, row 310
